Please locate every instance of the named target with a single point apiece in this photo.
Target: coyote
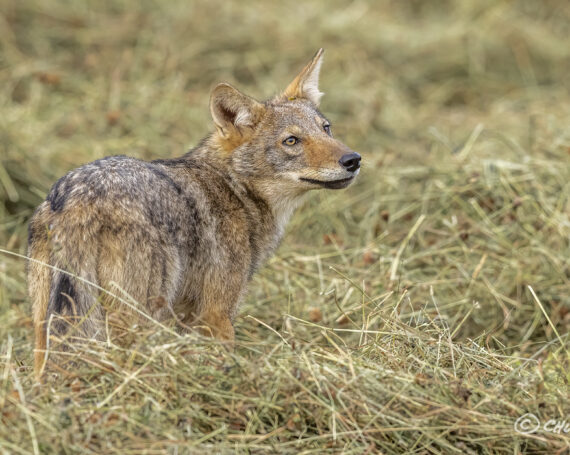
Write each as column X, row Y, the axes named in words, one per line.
column 180, row 238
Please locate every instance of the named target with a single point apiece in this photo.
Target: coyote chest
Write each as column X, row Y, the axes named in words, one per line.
column 179, row 239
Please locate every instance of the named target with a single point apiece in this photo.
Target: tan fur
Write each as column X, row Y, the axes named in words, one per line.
column 38, row 289
column 121, row 241
column 305, row 85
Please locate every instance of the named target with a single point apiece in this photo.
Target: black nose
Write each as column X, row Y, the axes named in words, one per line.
column 350, row 161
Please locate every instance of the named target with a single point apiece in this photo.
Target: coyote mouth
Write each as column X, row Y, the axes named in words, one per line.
column 330, row 184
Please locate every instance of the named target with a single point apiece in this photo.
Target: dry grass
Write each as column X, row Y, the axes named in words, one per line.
column 399, row 315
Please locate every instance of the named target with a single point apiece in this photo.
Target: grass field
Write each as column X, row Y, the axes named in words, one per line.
column 422, row 311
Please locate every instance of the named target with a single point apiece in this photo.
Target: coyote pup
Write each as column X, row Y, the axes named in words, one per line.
column 180, row 236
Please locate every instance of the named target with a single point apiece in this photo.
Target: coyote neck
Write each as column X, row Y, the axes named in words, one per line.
column 280, row 197
column 282, row 201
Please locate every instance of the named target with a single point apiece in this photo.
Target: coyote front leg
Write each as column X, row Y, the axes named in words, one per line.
column 221, row 294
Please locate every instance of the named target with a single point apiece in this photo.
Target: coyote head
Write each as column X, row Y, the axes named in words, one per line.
column 285, row 142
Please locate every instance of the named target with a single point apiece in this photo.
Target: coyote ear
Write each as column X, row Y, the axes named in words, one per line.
column 233, row 111
column 306, row 84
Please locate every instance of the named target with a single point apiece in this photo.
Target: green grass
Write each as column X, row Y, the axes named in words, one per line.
column 422, row 311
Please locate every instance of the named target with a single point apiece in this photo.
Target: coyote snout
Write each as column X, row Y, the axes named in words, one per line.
column 338, row 177
column 350, row 161
column 180, row 237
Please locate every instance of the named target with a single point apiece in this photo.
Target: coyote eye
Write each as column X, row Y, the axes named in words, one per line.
column 327, row 128
column 291, row 140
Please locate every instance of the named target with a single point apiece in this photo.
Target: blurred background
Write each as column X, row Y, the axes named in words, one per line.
column 451, row 249
column 461, row 111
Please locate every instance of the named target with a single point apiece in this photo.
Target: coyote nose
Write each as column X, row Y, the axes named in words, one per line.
column 350, row 161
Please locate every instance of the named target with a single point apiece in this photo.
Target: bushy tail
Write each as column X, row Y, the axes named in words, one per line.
column 64, row 304
column 39, row 277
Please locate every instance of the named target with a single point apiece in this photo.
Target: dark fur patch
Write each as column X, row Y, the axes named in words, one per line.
column 31, row 232
column 260, row 203
column 58, row 195
column 163, row 175
column 161, row 218
column 193, row 225
column 174, row 162
column 163, row 283
column 62, row 295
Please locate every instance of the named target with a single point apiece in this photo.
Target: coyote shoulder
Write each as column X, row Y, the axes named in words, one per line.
column 180, row 237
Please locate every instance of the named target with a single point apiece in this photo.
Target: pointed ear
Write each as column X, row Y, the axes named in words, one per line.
column 232, row 111
column 306, row 84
